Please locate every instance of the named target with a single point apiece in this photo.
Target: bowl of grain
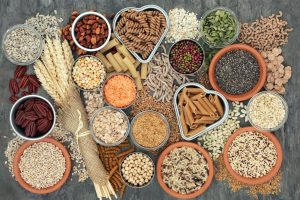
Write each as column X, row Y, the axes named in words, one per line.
column 22, row 44
column 109, row 126
column 238, row 72
column 267, row 111
column 150, row 130
column 43, row 166
column 137, row 170
column 88, row 73
column 187, row 163
column 252, row 157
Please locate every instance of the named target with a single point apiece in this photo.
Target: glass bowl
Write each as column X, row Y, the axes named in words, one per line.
column 164, row 140
column 284, row 105
column 130, row 185
column 237, row 30
column 98, row 140
column 31, row 29
column 77, row 86
column 201, row 48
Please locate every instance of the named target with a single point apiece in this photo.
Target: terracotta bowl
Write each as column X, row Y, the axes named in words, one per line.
column 263, row 179
column 262, row 70
column 28, row 187
column 195, row 193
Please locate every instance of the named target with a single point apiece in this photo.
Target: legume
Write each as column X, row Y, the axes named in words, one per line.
column 266, row 110
column 219, row 27
column 252, row 155
column 88, row 73
column 42, row 165
column 22, row 45
column 237, row 72
column 186, row 57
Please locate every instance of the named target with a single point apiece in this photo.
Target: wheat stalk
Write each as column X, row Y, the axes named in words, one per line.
column 48, row 63
column 68, row 57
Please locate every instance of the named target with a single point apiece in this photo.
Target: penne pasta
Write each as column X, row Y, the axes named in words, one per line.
column 195, row 90
column 189, row 113
column 208, row 103
column 190, row 103
column 112, row 43
column 114, row 63
column 122, row 50
column 131, row 67
column 104, row 60
column 180, row 102
column 202, row 110
column 200, row 95
column 119, row 59
column 203, row 103
column 183, row 123
column 195, row 131
column 186, row 119
column 218, row 105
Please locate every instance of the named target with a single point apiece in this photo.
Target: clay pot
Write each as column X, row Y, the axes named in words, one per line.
column 262, row 70
column 263, row 179
column 28, row 187
column 195, row 193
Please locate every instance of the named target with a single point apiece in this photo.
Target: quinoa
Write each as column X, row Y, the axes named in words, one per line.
column 42, row 165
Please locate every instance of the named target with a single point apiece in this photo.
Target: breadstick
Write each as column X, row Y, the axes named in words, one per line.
column 118, row 58
column 113, row 61
column 112, row 43
column 104, row 61
column 122, row 49
column 131, row 67
column 113, row 170
column 144, row 70
column 138, row 82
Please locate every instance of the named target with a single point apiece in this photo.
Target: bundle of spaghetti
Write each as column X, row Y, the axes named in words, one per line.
column 141, row 30
column 111, row 158
column 161, row 78
column 265, row 33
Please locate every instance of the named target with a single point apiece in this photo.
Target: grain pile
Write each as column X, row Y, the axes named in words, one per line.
column 145, row 101
column 270, row 188
column 265, row 33
column 93, row 101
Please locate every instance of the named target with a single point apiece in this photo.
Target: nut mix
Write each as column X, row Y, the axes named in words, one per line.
column 22, row 45
column 110, row 125
column 137, row 169
column 252, row 155
column 184, row 170
column 29, row 83
column 266, row 110
column 42, row 165
column 149, row 129
column 88, row 72
column 34, row 117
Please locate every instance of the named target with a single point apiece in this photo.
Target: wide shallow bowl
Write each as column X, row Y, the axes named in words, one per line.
column 17, row 129
column 30, row 28
column 195, row 193
column 146, row 7
column 28, row 187
column 75, row 84
column 263, row 179
column 98, row 140
column 210, row 127
column 262, row 72
column 201, row 48
column 130, row 185
column 79, row 18
column 286, row 108
column 165, row 139
column 111, row 76
column 237, row 31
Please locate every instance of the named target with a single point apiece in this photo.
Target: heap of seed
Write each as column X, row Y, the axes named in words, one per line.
column 47, row 25
column 42, row 165
column 237, row 72
column 93, row 101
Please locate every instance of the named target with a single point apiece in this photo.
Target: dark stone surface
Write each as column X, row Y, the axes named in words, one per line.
column 16, row 11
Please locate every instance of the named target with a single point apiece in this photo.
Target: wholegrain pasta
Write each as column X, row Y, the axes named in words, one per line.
column 141, row 30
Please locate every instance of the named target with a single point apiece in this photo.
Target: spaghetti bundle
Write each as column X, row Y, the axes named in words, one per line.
column 141, row 30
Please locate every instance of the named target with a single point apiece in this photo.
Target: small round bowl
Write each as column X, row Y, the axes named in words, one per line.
column 284, row 105
column 17, row 129
column 98, row 140
column 28, row 187
column 237, row 31
column 30, row 28
column 262, row 72
column 79, row 18
column 75, row 84
column 162, row 143
column 254, row 181
column 103, row 92
column 130, row 185
column 199, row 45
column 195, row 193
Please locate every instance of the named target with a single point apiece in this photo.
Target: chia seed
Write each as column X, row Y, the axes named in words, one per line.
column 237, row 72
